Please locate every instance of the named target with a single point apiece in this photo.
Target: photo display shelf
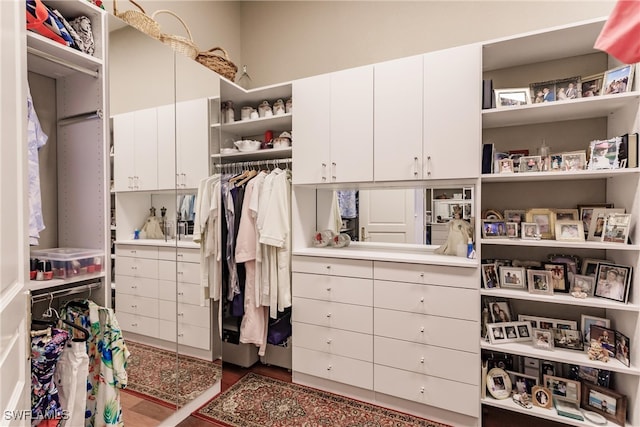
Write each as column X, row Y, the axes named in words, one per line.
column 281, row 123
column 549, row 414
column 549, row 243
column 558, row 175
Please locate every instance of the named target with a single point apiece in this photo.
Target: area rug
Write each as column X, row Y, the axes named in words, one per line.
column 157, row 374
column 259, row 401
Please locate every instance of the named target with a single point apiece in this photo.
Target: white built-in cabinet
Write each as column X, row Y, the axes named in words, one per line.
column 192, row 152
column 166, row 147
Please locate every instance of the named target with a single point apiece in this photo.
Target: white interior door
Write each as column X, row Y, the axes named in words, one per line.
column 387, row 215
column 14, row 367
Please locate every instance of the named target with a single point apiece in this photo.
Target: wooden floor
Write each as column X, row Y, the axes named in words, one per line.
column 138, row 412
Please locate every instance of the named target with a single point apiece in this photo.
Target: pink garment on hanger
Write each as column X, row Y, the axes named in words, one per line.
column 620, row 36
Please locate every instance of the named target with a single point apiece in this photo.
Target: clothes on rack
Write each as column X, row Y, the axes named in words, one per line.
column 206, row 228
column 186, row 207
column 108, row 356
column 36, row 139
column 347, row 203
column 46, row 349
column 72, row 372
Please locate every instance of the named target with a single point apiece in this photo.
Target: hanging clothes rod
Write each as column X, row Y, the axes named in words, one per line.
column 62, row 62
column 98, row 114
column 64, row 292
column 253, row 163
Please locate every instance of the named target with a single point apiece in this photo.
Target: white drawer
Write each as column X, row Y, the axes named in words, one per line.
column 167, row 330
column 187, row 313
column 137, row 267
column 427, row 299
column 194, row 336
column 427, row 274
column 334, row 341
column 333, row 266
column 332, row 367
column 424, row 359
column 139, row 286
column 425, row 329
column 185, row 272
column 138, row 324
column 355, row 318
column 143, row 306
column 433, row 391
column 134, row 251
column 187, row 293
column 182, row 254
column 348, row 290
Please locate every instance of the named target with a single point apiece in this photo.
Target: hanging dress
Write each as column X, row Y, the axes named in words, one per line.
column 45, row 401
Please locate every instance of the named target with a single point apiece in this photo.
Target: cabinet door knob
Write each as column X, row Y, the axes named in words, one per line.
column 422, row 275
column 134, row 287
column 422, row 359
column 134, row 306
column 329, row 368
column 422, row 329
column 181, row 335
column 328, row 314
column 422, row 390
column 181, row 314
column 328, row 289
column 328, row 267
column 180, row 293
column 134, row 324
column 421, row 299
column 329, row 341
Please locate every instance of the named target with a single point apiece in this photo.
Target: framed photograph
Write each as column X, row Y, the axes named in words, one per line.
column 606, row 337
column 618, row 80
column 568, row 409
column 559, row 276
column 598, row 219
column 515, row 156
column 541, row 396
column 622, row 349
column 500, row 311
column 539, row 282
column 514, row 215
column 604, row 401
column 492, row 214
column 530, row 163
column 530, row 231
column 587, row 321
column 567, row 214
column 500, row 333
column 591, row 375
column 584, row 284
column 512, row 97
column 512, row 229
column 586, row 213
column 505, row 166
column 567, row 338
column 569, row 231
column 543, row 91
column 522, row 383
column 490, row 276
column 573, row 161
column 492, row 228
column 570, row 260
column 616, row 228
column 499, row 383
column 547, row 322
column 592, row 85
column 590, row 265
column 568, row 88
column 512, row 278
column 545, row 218
column 603, row 154
column 543, row 338
column 563, row 388
column 612, row 282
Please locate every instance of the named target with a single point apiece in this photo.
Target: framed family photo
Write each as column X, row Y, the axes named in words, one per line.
column 539, row 282
column 606, row 337
column 569, row 231
column 543, row 338
column 616, row 228
column 500, row 333
column 512, row 277
column 545, row 218
column 618, row 80
column 587, row 321
column 598, row 219
column 529, row 231
column 541, row 396
column 530, row 163
column 568, row 88
column 512, row 229
column 559, row 276
column 563, row 388
column 622, row 349
column 568, row 338
column 584, row 284
column 612, row 282
column 490, row 276
column 543, row 91
column 500, row 311
column 512, row 97
column 522, row 383
column 585, row 214
column 603, row 154
column 492, row 228
column 604, row 401
column 574, row 161
column 591, row 85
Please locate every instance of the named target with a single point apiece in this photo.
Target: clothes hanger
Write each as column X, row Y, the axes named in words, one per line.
column 245, row 79
column 54, row 318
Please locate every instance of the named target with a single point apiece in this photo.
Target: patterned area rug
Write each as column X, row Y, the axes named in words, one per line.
column 258, row 401
column 152, row 372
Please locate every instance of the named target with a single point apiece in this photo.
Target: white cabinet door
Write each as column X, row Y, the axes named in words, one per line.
column 123, row 151
column 351, row 121
column 311, row 124
column 192, row 133
column 398, row 115
column 145, row 149
column 166, row 147
column 452, row 121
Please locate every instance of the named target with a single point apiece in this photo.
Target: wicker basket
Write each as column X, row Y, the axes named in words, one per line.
column 220, row 64
column 138, row 20
column 180, row 44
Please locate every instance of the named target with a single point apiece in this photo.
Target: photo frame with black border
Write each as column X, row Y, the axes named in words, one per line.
column 522, row 383
column 587, row 321
column 499, row 310
column 547, row 322
column 597, row 376
column 541, row 397
column 545, row 218
column 501, row 333
column 559, row 276
column 490, row 276
column 539, row 282
column 598, row 219
column 563, row 388
column 623, row 349
column 512, row 278
column 612, row 282
column 604, row 401
column 512, row 97
column 572, row 262
column 568, row 339
column 590, row 266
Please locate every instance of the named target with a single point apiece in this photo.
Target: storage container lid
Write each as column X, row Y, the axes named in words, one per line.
column 66, row 254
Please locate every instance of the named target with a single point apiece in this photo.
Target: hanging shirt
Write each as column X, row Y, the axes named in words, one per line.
column 254, row 207
column 45, row 352
column 36, row 139
column 347, row 203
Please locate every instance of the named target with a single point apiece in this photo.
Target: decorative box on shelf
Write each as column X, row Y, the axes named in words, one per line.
column 71, row 262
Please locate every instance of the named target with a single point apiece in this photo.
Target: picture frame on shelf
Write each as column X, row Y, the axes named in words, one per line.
column 563, row 388
column 559, row 276
column 571, row 261
column 530, row 163
column 556, row 162
column 606, row 337
column 512, row 278
column 623, row 349
column 566, row 214
column 529, row 231
column 612, row 282
column 512, row 97
column 603, row 154
column 494, row 229
column 618, row 80
column 587, row 321
column 592, row 85
column 585, row 285
column 505, row 166
column 506, row 332
column 547, row 322
column 492, row 214
column 541, row 397
column 604, row 401
column 598, row 219
column 589, row 374
column 569, row 231
column 543, row 91
column 543, row 338
column 586, row 212
column 514, row 215
column 499, row 383
column 616, row 228
column 512, row 230
column 539, row 282
column 568, row 339
column 590, row 266
column 575, row 161
column 499, row 311
column 568, row 88
column 545, row 218
column 568, row 409
column 548, row 367
column 522, row 383
column 490, row 276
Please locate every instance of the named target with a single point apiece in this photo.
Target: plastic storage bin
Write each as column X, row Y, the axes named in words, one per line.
column 71, row 262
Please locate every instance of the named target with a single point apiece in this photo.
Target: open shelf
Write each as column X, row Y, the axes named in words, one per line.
column 273, row 153
column 558, row 176
column 37, row 285
column 244, row 128
column 561, row 244
column 49, row 47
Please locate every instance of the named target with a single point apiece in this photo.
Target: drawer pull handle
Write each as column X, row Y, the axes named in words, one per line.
column 134, row 306
column 328, row 314
column 422, row 359
column 421, row 299
column 134, row 268
column 180, row 314
column 180, row 272
column 328, row 289
column 133, row 252
column 180, row 293
column 181, row 335
column 422, row 390
column 328, row 267
column 134, row 324
column 421, row 274
column 134, row 287
column 180, row 255
column 329, row 341
column 422, row 329
column 329, row 368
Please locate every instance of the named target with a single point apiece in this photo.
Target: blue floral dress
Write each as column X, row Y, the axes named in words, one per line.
column 45, row 352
